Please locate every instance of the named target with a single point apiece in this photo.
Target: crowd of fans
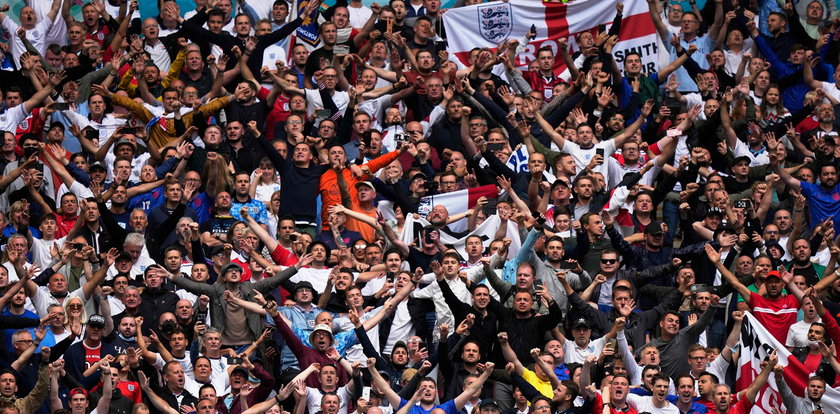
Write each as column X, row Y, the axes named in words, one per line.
column 203, row 212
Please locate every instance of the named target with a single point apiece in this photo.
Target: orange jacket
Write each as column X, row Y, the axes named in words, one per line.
column 331, row 195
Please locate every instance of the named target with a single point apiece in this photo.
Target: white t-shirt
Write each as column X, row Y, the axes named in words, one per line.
column 583, row 156
column 185, row 362
column 219, row 378
column 36, row 36
column 359, row 16
column 313, row 99
column 645, row 405
column 314, row 396
column 43, row 299
column 798, row 334
column 41, row 250
column 401, row 327
column 577, row 354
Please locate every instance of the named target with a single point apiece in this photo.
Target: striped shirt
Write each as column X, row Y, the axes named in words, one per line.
column 776, row 315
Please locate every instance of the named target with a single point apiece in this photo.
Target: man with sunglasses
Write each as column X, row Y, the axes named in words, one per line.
column 616, row 297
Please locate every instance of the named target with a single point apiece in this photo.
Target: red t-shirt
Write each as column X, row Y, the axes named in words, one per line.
column 131, row 390
column 598, row 407
column 92, row 355
column 540, row 83
column 776, row 315
column 283, row 257
column 741, row 407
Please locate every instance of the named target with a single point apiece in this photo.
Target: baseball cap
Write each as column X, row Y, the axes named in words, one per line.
column 488, row 403
column 230, row 266
column 96, row 320
column 365, row 183
column 98, row 165
column 78, row 390
column 240, row 370
column 714, row 211
column 303, row 284
column 774, row 273
column 123, row 256
column 654, row 228
column 725, row 227
column 123, row 141
column 580, row 322
column 419, row 176
column 399, row 344
column 56, row 124
column 741, row 158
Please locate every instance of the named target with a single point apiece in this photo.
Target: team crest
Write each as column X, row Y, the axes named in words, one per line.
column 495, row 22
column 425, row 206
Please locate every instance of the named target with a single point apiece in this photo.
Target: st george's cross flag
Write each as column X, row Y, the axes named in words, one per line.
column 756, row 344
column 487, row 25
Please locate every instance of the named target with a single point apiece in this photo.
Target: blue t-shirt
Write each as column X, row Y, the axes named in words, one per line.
column 448, row 407
column 822, row 203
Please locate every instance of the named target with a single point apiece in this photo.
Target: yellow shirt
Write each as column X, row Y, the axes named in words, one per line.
column 544, row 387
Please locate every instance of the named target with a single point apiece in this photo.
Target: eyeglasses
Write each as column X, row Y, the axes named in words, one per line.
column 609, row 261
column 448, row 182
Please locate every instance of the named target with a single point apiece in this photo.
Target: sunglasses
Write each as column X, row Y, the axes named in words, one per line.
column 609, row 261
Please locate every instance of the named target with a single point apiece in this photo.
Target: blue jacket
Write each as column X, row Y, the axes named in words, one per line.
column 75, row 365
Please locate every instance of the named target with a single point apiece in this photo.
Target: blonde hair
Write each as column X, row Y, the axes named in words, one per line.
column 66, row 303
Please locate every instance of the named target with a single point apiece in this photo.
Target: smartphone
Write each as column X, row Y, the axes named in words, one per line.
column 234, row 360
column 496, row 146
column 695, row 288
column 538, row 283
column 29, row 152
column 91, row 133
column 39, row 167
column 427, row 238
column 200, row 317
column 440, row 45
column 129, row 130
column 490, row 208
column 341, row 50
column 422, row 345
column 741, row 204
column 402, row 137
column 61, row 106
column 78, row 246
column 612, row 343
column 599, row 151
column 366, row 393
column 323, row 113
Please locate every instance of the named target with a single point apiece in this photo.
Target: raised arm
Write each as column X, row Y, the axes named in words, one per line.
column 99, row 275
column 714, row 257
column 475, row 387
column 509, row 354
column 158, row 402
column 382, row 384
column 752, row 391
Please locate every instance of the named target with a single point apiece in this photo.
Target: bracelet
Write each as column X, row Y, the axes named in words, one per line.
column 339, row 359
